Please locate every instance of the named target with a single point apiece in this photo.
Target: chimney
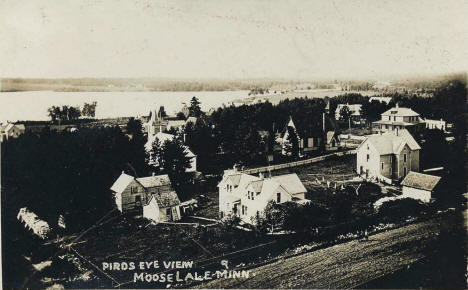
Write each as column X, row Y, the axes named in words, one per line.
column 396, row 106
column 260, row 175
column 152, row 173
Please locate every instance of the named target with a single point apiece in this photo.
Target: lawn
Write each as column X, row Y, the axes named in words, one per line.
column 133, row 240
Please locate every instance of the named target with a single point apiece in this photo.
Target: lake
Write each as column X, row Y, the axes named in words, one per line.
column 33, row 105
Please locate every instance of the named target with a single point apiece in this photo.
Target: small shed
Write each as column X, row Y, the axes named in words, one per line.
column 333, row 140
column 420, row 186
column 162, row 207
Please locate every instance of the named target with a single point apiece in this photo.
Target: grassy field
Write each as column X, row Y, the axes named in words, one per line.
column 349, row 264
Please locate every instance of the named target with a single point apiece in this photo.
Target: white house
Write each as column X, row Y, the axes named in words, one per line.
column 11, row 130
column 162, row 137
column 388, row 156
column 420, row 186
column 355, row 110
column 398, row 118
column 246, row 196
column 131, row 193
column 436, row 124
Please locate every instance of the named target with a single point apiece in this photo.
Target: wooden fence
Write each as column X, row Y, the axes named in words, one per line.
column 297, row 163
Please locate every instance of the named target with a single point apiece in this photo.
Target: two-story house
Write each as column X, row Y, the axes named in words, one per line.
column 355, row 110
column 246, row 196
column 388, row 156
column 131, row 194
column 398, row 118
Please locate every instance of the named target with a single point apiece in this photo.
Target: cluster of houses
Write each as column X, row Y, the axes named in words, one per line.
column 390, row 155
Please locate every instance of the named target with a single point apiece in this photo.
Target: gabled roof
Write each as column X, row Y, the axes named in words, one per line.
column 257, row 185
column 330, row 135
column 192, row 120
column 421, row 181
column 163, row 137
column 147, row 182
column 153, row 181
column 122, row 182
column 400, row 112
column 354, row 108
column 291, row 183
column 165, row 199
column 390, row 143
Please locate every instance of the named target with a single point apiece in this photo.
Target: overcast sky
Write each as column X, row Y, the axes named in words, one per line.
column 232, row 39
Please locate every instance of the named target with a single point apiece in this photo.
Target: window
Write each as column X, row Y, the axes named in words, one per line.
column 394, row 118
column 168, row 211
column 404, row 171
column 368, row 157
column 138, row 198
column 134, row 189
column 253, row 196
column 243, row 210
column 389, row 118
column 278, row 197
column 382, row 166
column 404, row 157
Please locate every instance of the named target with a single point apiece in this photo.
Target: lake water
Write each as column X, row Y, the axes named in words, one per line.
column 33, row 105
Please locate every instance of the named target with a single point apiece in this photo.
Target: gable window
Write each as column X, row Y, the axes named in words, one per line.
column 253, row 196
column 278, row 197
column 134, row 189
column 404, row 157
column 368, row 157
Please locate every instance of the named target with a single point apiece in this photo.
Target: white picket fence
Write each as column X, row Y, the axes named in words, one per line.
column 297, row 163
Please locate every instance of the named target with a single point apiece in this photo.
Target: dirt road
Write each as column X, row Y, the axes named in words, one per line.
column 343, row 266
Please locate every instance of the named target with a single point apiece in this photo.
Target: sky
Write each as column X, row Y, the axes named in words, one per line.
column 232, row 39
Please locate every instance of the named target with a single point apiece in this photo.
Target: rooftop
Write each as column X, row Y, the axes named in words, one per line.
column 400, row 112
column 421, row 181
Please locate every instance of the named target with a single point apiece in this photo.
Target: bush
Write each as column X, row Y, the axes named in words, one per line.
column 401, row 209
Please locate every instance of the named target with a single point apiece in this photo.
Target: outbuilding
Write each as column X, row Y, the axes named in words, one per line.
column 420, row 186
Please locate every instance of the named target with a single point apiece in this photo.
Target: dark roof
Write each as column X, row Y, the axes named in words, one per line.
column 305, row 128
column 421, row 181
column 165, row 199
